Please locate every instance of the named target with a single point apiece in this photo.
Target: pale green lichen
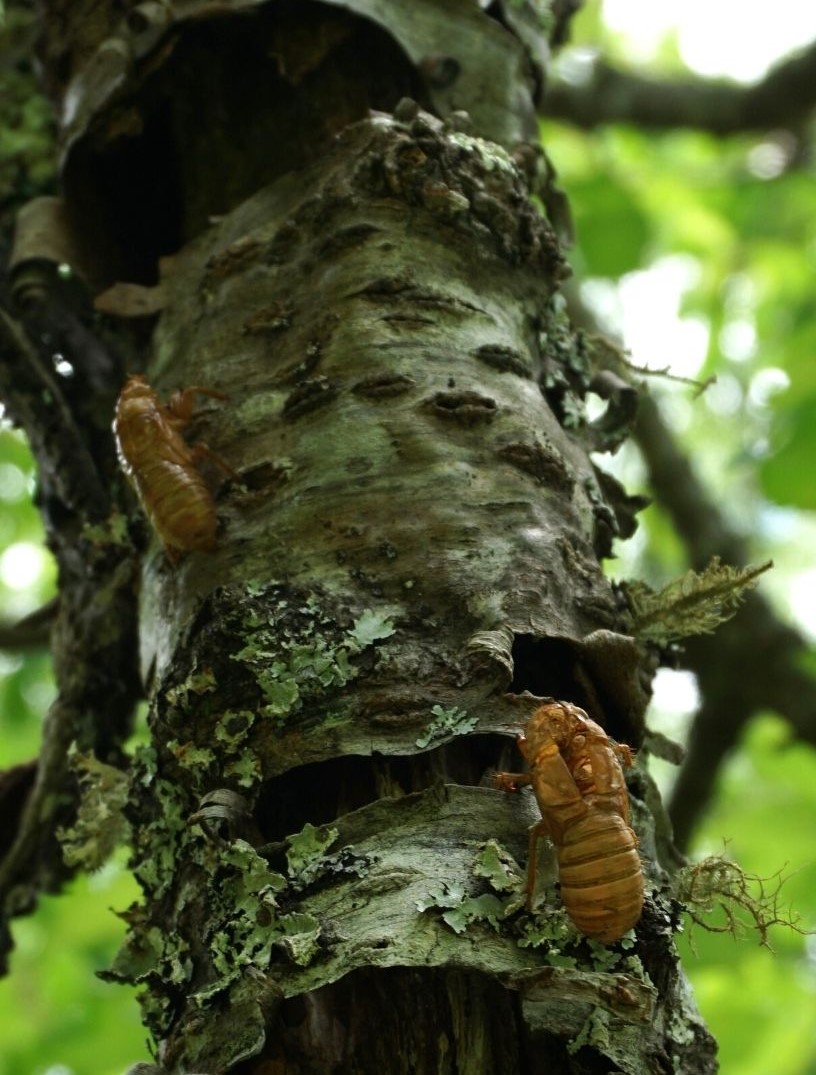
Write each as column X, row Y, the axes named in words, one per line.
column 149, row 953
column 243, row 897
column 246, row 770
column 370, row 627
column 552, row 930
column 245, row 890
column 320, row 666
column 191, row 756
column 158, row 843
column 233, row 727
column 198, row 682
column 498, row 867
column 548, row 929
column 446, row 724
column 300, row 937
column 100, row 825
column 280, row 688
column 112, row 531
column 634, row 966
column 306, row 854
column 607, row 958
column 680, row 1030
column 136, row 959
column 460, row 911
column 295, row 653
column 594, row 1032
column 335, row 718
column 492, row 156
column 143, row 766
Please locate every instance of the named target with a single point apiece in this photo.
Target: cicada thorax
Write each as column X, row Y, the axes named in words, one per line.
column 596, row 769
column 601, row 875
column 594, row 760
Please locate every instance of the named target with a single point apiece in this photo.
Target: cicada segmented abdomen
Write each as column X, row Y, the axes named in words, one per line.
column 601, row 876
column 180, row 507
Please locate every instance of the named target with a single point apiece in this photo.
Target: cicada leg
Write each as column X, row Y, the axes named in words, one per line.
column 537, row 832
column 202, row 451
column 512, row 781
column 181, row 404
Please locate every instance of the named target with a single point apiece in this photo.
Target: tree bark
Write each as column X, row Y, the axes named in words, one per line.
column 409, row 554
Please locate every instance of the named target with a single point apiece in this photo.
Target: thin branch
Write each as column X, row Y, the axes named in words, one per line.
column 784, row 98
column 36, row 401
column 32, row 631
column 94, row 630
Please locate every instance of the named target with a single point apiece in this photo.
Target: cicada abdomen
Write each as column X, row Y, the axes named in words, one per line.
column 601, row 876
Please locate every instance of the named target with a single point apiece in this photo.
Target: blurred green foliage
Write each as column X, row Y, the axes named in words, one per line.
column 57, row 1017
column 737, row 216
column 26, row 684
column 760, row 1004
column 27, row 166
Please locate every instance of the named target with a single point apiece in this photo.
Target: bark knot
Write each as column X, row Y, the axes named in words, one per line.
column 463, row 406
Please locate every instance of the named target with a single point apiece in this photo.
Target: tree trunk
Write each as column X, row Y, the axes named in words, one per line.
column 408, row 554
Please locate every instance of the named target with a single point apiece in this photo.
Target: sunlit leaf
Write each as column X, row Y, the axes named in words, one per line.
column 787, row 475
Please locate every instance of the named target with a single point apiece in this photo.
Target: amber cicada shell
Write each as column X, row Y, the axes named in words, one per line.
column 163, row 467
column 576, row 773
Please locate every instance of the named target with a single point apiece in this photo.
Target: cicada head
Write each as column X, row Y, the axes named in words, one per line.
column 136, row 387
column 557, row 722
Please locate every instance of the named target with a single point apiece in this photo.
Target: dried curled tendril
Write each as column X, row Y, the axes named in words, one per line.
column 715, row 891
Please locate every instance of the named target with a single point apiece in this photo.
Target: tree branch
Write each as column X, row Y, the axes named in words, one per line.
column 94, row 631
column 32, row 631
column 36, row 401
column 784, row 98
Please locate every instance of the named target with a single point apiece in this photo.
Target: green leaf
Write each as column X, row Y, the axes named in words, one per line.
column 787, row 475
column 610, row 226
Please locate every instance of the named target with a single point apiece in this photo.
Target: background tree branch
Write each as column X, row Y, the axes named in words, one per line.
column 32, row 632
column 784, row 98
column 734, row 684
column 756, row 663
